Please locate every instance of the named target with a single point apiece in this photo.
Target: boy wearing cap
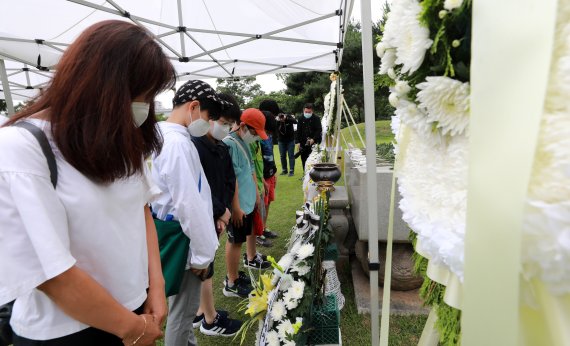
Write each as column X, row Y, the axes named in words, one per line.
column 185, row 197
column 246, row 197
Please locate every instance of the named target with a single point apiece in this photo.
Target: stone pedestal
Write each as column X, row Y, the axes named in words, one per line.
column 338, row 203
column 403, row 276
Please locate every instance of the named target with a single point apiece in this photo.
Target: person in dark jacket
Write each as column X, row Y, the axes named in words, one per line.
column 309, row 131
column 285, row 135
column 217, row 164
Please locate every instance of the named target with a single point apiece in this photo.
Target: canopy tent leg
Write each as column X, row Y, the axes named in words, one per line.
column 6, row 88
column 370, row 123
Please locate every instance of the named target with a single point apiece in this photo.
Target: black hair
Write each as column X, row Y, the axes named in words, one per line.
column 270, row 123
column 270, row 106
column 214, row 109
column 232, row 113
column 308, row 105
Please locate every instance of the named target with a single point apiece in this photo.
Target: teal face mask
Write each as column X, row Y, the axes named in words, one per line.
column 308, row 115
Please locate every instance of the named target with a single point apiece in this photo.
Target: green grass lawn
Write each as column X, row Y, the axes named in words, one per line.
column 383, row 133
column 355, row 328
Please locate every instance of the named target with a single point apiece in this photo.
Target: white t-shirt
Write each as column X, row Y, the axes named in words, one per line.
column 43, row 232
column 186, row 194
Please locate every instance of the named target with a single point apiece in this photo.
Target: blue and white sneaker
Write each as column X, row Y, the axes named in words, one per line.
column 221, row 326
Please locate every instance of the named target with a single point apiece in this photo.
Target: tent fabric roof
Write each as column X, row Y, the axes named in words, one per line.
column 204, row 39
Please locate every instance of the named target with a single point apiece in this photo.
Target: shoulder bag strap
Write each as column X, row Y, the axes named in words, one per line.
column 44, row 145
column 240, row 146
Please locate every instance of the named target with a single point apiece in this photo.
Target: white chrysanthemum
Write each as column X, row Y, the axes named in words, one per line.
column 297, row 289
column 402, row 88
column 290, row 301
column 432, row 181
column 388, row 61
column 446, row 101
column 394, row 99
column 404, row 32
column 395, row 125
column 272, row 338
column 285, row 328
column 380, row 49
column 412, row 116
column 289, row 343
column 285, row 261
column 306, row 250
column 278, row 310
column 300, row 269
column 452, row 4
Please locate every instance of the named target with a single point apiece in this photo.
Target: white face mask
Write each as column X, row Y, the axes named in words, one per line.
column 199, row 127
column 140, row 112
column 247, row 137
column 219, row 131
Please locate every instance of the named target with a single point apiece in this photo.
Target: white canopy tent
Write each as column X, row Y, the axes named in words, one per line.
column 204, row 39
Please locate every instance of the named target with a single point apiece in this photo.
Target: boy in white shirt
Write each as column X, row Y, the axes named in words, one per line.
column 186, row 198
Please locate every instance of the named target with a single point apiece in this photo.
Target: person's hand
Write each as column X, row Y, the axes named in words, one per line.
column 226, row 217
column 237, row 217
column 201, row 273
column 220, row 226
column 266, row 187
column 144, row 332
column 311, row 141
column 257, row 201
column 155, row 304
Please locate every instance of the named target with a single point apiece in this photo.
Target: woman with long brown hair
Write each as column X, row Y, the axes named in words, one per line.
column 82, row 259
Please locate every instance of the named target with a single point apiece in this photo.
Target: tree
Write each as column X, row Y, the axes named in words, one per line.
column 312, row 86
column 243, row 89
column 287, row 103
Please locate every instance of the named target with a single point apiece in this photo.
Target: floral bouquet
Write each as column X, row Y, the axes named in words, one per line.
column 282, row 301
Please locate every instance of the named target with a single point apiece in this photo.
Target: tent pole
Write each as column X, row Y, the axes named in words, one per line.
column 181, row 24
column 6, row 88
column 370, row 123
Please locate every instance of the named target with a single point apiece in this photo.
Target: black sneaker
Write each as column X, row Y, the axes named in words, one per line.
column 198, row 319
column 240, row 289
column 284, row 173
column 241, row 276
column 269, row 234
column 262, row 241
column 257, row 263
column 291, row 174
column 221, row 326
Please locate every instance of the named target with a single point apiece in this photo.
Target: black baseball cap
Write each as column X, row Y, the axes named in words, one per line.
column 194, row 90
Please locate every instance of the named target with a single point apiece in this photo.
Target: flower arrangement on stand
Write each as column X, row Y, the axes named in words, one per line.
column 425, row 56
column 283, row 301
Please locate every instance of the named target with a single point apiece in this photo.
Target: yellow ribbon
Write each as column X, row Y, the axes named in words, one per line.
column 511, row 52
column 403, row 140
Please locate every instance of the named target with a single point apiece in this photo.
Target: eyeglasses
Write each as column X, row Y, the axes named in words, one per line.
column 251, row 129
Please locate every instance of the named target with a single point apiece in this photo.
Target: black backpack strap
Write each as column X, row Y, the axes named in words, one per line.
column 44, row 144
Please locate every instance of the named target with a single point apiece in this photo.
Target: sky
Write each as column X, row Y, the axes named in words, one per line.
column 270, row 82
